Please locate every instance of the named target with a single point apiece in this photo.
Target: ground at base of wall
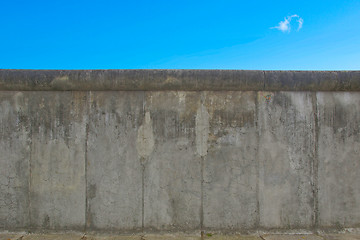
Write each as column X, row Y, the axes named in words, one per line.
column 208, row 236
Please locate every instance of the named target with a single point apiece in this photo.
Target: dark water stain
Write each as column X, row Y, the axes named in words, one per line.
column 92, row 191
column 233, row 118
column 46, row 222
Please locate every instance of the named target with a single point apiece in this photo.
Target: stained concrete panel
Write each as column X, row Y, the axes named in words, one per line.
column 230, row 166
column 14, row 160
column 286, row 154
column 339, row 159
column 172, row 180
column 57, row 183
column 114, row 175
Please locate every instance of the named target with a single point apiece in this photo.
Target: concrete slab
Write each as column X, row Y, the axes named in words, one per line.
column 170, row 237
column 112, row 237
column 175, row 79
column 53, row 237
column 172, row 180
column 57, row 183
column 79, row 237
column 230, row 237
column 286, row 153
column 341, row 237
column 9, row 236
column 339, row 159
column 175, row 236
column 114, row 174
column 14, row 160
column 291, row 237
column 230, row 164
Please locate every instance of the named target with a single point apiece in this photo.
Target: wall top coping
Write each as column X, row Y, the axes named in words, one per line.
column 178, row 80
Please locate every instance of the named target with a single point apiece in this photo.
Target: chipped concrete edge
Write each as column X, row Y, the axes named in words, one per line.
column 177, row 80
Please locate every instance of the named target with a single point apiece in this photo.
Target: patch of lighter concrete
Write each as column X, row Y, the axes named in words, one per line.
column 202, row 130
column 145, row 138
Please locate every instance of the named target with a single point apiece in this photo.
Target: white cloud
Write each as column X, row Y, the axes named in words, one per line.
column 285, row 26
column 300, row 21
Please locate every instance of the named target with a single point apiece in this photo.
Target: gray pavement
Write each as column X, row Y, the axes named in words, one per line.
column 207, row 236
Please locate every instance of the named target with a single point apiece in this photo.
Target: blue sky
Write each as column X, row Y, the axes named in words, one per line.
column 180, row 35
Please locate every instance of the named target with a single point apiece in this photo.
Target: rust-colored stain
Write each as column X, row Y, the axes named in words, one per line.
column 268, row 98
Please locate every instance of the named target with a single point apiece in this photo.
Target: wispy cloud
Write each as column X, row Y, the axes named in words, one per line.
column 285, row 25
column 300, row 21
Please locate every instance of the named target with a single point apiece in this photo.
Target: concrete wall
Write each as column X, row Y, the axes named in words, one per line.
column 147, row 157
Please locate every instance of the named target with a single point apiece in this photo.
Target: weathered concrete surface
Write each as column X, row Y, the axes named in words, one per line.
column 78, row 236
column 170, row 237
column 231, row 237
column 10, row 236
column 207, row 158
column 124, row 80
column 14, row 160
column 172, row 180
column 71, row 236
column 177, row 236
column 286, row 153
column 291, row 237
column 230, row 166
column 57, row 174
column 178, row 80
column 112, row 237
column 114, row 175
column 311, row 81
column 341, row 237
column 339, row 159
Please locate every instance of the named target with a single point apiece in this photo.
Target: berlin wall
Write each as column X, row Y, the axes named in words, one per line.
column 132, row 151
